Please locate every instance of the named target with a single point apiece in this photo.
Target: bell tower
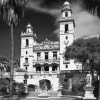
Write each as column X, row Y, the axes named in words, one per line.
column 67, row 26
column 28, row 39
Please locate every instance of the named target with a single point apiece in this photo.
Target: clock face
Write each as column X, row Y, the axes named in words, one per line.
column 66, row 42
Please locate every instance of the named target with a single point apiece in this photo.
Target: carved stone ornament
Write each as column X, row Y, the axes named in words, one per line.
column 46, row 47
column 66, row 42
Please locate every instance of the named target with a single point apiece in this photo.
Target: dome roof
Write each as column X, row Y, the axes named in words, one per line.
column 66, row 3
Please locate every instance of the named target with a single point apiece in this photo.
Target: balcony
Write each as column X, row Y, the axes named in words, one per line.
column 26, row 64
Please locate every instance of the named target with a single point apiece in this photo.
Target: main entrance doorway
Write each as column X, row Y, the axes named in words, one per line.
column 45, row 84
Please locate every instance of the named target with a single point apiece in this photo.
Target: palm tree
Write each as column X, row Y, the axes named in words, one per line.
column 12, row 12
column 1, row 68
column 91, row 6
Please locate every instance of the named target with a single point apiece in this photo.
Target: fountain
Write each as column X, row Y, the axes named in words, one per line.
column 43, row 93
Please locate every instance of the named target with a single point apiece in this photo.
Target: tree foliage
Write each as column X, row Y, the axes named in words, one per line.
column 12, row 10
column 91, row 6
column 86, row 51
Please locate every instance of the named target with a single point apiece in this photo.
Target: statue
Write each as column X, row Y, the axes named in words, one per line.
column 89, row 89
column 89, row 79
column 45, row 87
column 43, row 91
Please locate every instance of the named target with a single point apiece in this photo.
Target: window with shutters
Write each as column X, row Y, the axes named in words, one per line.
column 66, row 28
column 27, row 42
column 38, row 55
column 46, row 55
column 55, row 54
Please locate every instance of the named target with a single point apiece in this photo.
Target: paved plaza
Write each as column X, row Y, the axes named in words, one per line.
column 53, row 96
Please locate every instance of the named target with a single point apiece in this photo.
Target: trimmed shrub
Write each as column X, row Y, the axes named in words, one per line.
column 21, row 89
column 31, row 87
column 4, row 83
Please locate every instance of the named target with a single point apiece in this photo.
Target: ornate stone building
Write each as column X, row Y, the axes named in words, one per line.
column 44, row 61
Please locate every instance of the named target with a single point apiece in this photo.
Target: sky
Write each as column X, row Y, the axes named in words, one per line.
column 44, row 16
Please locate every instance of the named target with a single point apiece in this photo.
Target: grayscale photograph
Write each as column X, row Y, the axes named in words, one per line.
column 49, row 49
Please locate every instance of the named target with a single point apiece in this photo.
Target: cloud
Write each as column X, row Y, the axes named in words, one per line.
column 36, row 6
column 86, row 24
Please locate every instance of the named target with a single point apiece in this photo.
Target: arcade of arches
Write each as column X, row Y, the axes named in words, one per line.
column 47, row 67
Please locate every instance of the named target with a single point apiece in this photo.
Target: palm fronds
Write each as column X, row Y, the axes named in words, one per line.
column 12, row 10
column 91, row 6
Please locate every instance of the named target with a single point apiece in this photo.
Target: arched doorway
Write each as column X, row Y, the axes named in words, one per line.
column 45, row 84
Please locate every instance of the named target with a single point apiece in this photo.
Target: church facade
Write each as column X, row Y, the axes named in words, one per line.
column 44, row 61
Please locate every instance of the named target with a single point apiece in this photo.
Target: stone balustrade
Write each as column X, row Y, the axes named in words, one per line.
column 32, row 73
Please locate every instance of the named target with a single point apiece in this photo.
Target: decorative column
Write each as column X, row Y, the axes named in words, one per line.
column 34, row 69
column 50, row 69
column 42, row 69
column 58, row 68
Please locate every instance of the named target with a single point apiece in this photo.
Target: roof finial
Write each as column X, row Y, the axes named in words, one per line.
column 29, row 25
column 46, row 39
column 66, row 3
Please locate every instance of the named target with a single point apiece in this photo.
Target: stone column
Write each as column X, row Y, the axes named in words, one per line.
column 34, row 69
column 42, row 69
column 50, row 69
column 57, row 68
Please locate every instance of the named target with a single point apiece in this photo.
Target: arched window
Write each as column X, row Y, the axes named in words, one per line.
column 27, row 42
column 66, row 14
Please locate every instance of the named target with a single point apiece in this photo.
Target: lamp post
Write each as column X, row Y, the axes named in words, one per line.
column 25, row 81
